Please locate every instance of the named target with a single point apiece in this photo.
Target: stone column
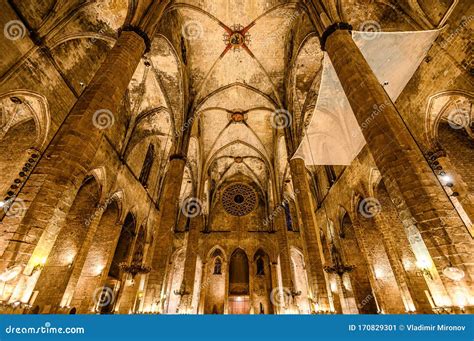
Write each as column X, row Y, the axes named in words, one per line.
column 67, row 160
column 274, row 280
column 74, row 147
column 347, row 300
column 435, row 231
column 190, row 263
column 251, row 263
column 84, row 300
column 203, row 286
column 374, row 286
column 311, row 234
column 409, row 282
column 225, row 272
column 285, row 261
column 163, row 237
column 56, row 297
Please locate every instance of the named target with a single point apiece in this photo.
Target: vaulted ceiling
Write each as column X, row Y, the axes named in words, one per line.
column 244, row 60
column 247, row 60
column 236, row 53
column 220, row 68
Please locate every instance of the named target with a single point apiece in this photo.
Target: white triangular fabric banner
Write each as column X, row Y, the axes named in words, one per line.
column 333, row 136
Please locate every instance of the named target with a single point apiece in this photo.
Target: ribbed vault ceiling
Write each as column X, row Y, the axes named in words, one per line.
column 196, row 56
column 247, row 79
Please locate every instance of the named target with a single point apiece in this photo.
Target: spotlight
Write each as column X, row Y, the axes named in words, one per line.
column 446, row 178
column 379, row 273
column 425, row 265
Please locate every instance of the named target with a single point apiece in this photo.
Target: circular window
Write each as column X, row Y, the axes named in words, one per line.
column 239, row 199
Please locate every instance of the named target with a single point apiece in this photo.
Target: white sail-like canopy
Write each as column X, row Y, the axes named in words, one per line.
column 333, row 136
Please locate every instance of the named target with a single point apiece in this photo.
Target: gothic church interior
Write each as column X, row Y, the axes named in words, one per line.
column 185, row 157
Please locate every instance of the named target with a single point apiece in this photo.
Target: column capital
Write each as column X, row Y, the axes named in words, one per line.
column 178, row 156
column 147, row 19
column 141, row 33
column 331, row 29
column 297, row 162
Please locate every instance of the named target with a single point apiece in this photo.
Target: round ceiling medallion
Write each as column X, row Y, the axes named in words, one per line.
column 236, row 37
column 238, row 117
column 239, row 199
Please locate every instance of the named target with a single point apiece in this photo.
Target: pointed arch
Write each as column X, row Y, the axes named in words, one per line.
column 37, row 106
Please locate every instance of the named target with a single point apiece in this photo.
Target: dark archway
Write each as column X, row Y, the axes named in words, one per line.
column 122, row 251
column 214, row 291
column 121, row 254
column 239, row 302
column 262, row 284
